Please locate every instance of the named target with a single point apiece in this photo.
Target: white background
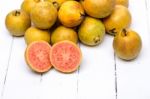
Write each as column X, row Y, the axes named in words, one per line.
column 101, row 75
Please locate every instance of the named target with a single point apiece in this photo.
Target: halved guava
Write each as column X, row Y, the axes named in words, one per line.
column 37, row 56
column 65, row 56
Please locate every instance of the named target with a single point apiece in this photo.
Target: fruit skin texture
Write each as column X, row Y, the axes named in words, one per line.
column 98, row 8
column 57, row 3
column 44, row 15
column 65, row 56
column 118, row 20
column 63, row 33
column 123, row 2
column 127, row 44
column 27, row 5
column 34, row 34
column 37, row 56
column 71, row 13
column 17, row 21
column 91, row 32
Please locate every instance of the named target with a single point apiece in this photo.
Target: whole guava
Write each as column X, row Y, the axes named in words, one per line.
column 17, row 22
column 118, row 20
column 44, row 15
column 98, row 8
column 91, row 32
column 63, row 33
column 34, row 34
column 71, row 13
column 127, row 44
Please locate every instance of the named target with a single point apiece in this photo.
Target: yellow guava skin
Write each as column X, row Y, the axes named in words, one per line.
column 98, row 8
column 119, row 19
column 63, row 33
column 44, row 15
column 71, row 13
column 34, row 34
column 127, row 44
column 17, row 22
column 91, row 32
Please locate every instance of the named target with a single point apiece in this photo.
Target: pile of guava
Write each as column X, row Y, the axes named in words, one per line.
column 52, row 30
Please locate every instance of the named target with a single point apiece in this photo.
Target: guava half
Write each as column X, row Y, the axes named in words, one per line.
column 65, row 56
column 37, row 56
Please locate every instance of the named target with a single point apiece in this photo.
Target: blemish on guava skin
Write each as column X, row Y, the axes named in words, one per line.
column 56, row 4
column 124, row 32
column 113, row 31
column 97, row 39
column 17, row 13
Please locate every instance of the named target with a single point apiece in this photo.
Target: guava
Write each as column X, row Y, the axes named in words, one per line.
column 71, row 13
column 91, row 32
column 118, row 20
column 127, row 44
column 63, row 33
column 44, row 15
column 37, row 56
column 17, row 22
column 65, row 56
column 27, row 5
column 123, row 2
column 34, row 34
column 98, row 8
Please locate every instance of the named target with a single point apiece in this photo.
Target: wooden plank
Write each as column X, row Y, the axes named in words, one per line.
column 133, row 76
column 96, row 78
column 6, row 41
column 17, row 80
column 21, row 82
column 5, row 50
column 57, row 85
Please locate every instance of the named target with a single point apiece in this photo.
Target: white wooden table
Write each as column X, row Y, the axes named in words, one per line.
column 101, row 75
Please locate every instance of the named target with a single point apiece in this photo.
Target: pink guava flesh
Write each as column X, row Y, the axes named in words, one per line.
column 65, row 57
column 38, row 56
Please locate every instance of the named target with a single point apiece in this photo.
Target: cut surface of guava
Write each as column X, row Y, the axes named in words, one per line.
column 37, row 56
column 65, row 56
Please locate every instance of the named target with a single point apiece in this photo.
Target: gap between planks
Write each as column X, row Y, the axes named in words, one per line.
column 78, row 72
column 115, row 70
